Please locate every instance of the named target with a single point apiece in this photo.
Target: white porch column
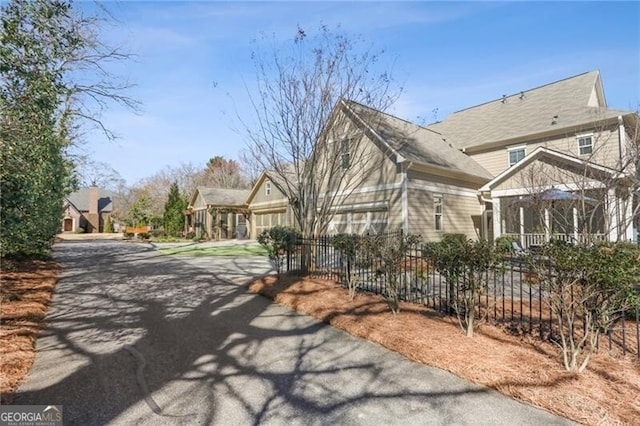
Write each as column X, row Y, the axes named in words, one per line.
column 497, row 219
column 575, row 225
column 612, row 215
column 547, row 225
column 521, row 225
column 627, row 219
column 483, row 214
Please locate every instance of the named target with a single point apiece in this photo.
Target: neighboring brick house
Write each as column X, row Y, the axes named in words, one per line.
column 86, row 210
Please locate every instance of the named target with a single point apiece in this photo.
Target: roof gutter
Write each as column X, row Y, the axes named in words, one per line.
column 471, row 149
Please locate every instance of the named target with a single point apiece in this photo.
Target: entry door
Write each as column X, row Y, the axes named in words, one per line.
column 68, row 225
column 241, row 227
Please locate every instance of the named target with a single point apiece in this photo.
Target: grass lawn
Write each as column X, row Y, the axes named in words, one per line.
column 228, row 250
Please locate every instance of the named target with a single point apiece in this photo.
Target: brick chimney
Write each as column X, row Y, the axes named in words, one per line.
column 93, row 217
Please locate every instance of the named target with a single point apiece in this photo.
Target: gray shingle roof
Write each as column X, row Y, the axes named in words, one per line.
column 527, row 113
column 418, row 144
column 224, row 196
column 80, row 199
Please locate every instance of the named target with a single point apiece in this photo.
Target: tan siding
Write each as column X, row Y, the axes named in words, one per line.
column 369, row 166
column 262, row 197
column 461, row 214
column 494, row 161
column 395, row 211
column 605, row 149
column 199, row 202
column 542, row 175
column 375, row 167
column 430, row 179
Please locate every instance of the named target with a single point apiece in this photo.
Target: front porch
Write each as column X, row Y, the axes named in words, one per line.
column 551, row 196
column 604, row 218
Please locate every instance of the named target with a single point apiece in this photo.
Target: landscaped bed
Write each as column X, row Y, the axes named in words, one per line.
column 523, row 367
column 25, row 291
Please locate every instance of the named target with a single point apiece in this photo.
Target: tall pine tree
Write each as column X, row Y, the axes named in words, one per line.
column 173, row 211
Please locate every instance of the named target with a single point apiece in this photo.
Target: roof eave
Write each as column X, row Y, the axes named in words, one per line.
column 446, row 172
column 530, row 158
column 560, row 131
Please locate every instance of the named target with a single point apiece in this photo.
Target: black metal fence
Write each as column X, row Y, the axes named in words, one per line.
column 511, row 296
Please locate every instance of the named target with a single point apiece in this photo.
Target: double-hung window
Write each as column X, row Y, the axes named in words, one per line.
column 345, row 153
column 437, row 212
column 585, row 144
column 515, row 154
column 267, row 188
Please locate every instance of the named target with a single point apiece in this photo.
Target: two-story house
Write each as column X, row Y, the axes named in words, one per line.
column 563, row 136
column 548, row 162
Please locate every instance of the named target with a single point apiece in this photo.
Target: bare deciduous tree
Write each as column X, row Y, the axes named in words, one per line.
column 98, row 173
column 224, row 173
column 300, row 130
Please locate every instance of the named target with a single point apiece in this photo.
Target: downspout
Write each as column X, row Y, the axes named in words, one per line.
column 622, row 148
column 405, row 195
column 485, row 224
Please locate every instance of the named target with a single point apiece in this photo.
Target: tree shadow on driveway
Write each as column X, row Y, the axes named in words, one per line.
column 215, row 354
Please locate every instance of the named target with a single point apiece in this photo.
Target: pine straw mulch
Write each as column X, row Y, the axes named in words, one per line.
column 522, row 367
column 26, row 288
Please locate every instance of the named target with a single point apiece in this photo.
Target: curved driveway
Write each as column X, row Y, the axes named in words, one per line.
column 131, row 331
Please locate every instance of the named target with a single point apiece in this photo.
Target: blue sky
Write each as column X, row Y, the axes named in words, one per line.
column 193, row 62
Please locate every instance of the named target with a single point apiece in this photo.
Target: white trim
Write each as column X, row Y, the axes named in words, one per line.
column 612, row 213
column 521, row 212
column 399, row 185
column 399, row 158
column 405, row 201
column 497, row 224
column 443, row 190
column 582, row 136
column 282, row 202
column 515, row 148
column 361, row 222
column 361, row 207
column 622, row 140
column 436, row 214
column 269, row 210
column 534, row 155
column 363, row 190
column 500, row 193
column 627, row 219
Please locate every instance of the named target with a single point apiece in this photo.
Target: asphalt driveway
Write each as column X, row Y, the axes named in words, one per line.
column 136, row 337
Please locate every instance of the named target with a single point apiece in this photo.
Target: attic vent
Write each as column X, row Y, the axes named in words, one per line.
column 554, row 120
column 504, row 99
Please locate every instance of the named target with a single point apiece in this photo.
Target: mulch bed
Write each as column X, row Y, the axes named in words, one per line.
column 522, row 367
column 26, row 288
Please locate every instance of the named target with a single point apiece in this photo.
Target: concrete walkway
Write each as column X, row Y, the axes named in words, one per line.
column 136, row 337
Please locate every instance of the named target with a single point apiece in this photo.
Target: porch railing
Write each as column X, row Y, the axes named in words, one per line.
column 528, row 240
